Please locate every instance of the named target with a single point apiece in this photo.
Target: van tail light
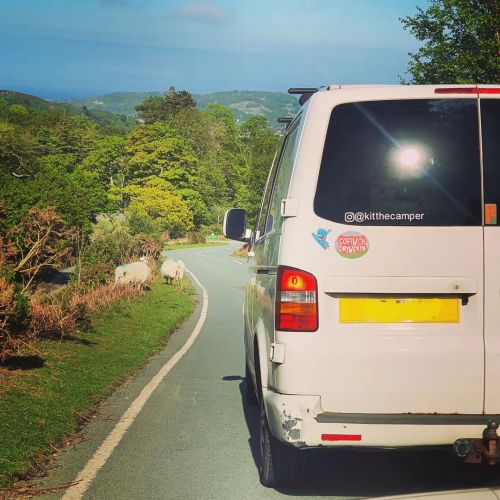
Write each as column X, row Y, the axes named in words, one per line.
column 296, row 301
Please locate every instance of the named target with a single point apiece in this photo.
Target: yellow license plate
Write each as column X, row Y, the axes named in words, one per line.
column 400, row 310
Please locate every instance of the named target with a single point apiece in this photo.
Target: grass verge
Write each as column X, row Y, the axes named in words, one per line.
column 42, row 398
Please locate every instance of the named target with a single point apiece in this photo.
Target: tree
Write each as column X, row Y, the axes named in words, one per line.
column 161, row 205
column 156, row 108
column 60, row 133
column 18, row 114
column 205, row 132
column 17, row 151
column 78, row 196
column 461, row 42
column 107, row 160
column 260, row 145
column 230, row 153
column 196, row 205
column 44, row 240
column 158, row 150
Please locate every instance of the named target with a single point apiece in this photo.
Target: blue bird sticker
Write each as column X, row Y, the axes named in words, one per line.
column 320, row 237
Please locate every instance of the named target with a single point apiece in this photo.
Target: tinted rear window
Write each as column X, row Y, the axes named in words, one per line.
column 408, row 162
column 490, row 117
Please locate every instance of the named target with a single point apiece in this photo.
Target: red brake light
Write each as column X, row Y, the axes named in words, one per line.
column 456, row 90
column 296, row 301
column 468, row 90
column 488, row 90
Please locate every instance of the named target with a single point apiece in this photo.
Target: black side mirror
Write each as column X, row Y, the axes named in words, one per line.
column 235, row 224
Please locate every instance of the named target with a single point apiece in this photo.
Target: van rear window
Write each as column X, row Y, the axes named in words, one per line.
column 404, row 162
column 490, row 118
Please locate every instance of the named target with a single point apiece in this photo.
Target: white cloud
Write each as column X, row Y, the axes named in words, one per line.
column 202, row 10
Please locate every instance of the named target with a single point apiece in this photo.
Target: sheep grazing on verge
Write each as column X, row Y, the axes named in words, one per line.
column 172, row 270
column 136, row 273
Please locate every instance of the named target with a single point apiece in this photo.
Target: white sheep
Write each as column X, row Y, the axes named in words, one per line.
column 172, row 270
column 136, row 273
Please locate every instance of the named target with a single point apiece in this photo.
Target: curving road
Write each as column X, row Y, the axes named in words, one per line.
column 196, row 438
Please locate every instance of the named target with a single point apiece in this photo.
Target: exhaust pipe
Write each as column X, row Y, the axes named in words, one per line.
column 462, row 447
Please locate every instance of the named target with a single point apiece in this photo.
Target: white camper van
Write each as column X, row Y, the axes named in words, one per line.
column 372, row 312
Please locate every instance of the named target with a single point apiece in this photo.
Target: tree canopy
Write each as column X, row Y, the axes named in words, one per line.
column 461, row 42
column 180, row 170
column 156, row 108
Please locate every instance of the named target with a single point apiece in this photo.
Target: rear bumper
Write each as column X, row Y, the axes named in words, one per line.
column 300, row 422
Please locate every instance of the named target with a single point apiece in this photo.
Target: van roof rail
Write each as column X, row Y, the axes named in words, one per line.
column 304, row 92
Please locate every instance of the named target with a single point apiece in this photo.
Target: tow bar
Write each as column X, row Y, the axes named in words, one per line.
column 475, row 451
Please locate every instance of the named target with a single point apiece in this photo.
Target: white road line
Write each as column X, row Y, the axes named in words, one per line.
column 206, row 255
column 100, row 457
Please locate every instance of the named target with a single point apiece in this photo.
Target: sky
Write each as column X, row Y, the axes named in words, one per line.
column 58, row 49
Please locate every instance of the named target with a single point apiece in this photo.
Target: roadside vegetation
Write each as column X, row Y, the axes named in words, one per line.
column 83, row 197
column 45, row 394
column 87, row 197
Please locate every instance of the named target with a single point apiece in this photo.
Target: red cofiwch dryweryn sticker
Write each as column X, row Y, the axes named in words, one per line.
column 351, row 244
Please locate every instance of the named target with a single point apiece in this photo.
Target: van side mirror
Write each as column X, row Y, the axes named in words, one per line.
column 235, row 224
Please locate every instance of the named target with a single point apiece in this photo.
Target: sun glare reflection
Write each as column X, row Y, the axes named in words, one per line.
column 410, row 160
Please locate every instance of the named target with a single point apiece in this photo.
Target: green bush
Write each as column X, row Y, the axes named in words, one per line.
column 117, row 240
column 110, row 245
column 141, row 224
column 196, row 237
column 91, row 273
column 215, row 229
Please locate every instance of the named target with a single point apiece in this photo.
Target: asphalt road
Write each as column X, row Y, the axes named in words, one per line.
column 196, row 438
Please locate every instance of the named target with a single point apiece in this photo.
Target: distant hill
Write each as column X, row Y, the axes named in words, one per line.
column 114, row 122
column 244, row 103
column 9, row 97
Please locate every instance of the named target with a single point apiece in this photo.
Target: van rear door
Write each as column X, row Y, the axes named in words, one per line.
column 401, row 316
column 490, row 128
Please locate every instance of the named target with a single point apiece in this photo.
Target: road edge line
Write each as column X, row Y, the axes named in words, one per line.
column 102, row 454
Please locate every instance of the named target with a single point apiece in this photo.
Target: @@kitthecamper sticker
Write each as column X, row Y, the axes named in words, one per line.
column 351, row 245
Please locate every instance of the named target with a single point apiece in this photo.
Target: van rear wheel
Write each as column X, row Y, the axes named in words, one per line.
column 280, row 465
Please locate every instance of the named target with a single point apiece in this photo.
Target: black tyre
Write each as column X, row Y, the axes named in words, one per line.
column 250, row 395
column 280, row 465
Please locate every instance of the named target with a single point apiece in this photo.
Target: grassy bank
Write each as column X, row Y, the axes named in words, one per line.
column 43, row 397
